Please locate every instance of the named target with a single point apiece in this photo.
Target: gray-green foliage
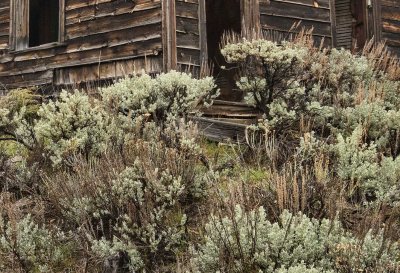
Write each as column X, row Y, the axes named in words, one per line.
column 73, row 124
column 168, row 96
column 337, row 95
column 18, row 109
column 139, row 209
column 30, row 247
column 142, row 209
column 361, row 166
column 248, row 242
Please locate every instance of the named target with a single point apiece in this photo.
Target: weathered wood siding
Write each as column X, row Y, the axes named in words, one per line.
column 188, row 35
column 103, row 39
column 279, row 16
column 390, row 10
column 4, row 23
column 344, row 24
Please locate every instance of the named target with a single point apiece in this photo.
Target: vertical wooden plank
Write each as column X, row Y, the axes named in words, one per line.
column 251, row 22
column 203, row 35
column 333, row 22
column 20, row 18
column 61, row 27
column 11, row 42
column 170, row 59
column 377, row 17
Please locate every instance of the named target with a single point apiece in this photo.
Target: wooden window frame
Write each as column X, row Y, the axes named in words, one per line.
column 19, row 26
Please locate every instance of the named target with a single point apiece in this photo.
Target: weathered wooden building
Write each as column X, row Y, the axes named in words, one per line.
column 63, row 42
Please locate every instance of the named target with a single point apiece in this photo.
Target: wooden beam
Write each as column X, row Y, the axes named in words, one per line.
column 20, row 24
column 169, row 35
column 203, row 37
column 61, row 23
column 333, row 22
column 251, row 22
column 377, row 15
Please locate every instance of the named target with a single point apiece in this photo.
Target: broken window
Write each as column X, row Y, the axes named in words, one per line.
column 36, row 22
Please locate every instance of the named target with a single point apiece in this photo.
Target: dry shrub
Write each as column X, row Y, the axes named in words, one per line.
column 135, row 203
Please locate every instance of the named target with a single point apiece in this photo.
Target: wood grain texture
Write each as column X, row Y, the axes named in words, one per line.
column 390, row 24
column 101, row 38
column 278, row 17
column 188, row 26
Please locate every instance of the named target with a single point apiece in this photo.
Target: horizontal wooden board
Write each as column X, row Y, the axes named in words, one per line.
column 100, row 36
column 117, row 7
column 295, row 11
column 391, row 26
column 221, row 131
column 285, row 24
column 107, row 71
column 390, row 3
column 391, row 13
column 310, row 3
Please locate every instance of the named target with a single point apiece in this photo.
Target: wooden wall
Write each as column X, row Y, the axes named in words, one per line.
column 188, row 35
column 4, row 24
column 103, row 39
column 279, row 16
column 390, row 10
column 344, row 24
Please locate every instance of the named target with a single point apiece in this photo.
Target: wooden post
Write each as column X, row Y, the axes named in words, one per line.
column 377, row 18
column 19, row 24
column 203, row 37
column 61, row 23
column 333, row 22
column 251, row 25
column 169, row 35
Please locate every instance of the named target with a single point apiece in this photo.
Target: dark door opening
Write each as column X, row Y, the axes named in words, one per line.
column 43, row 21
column 222, row 16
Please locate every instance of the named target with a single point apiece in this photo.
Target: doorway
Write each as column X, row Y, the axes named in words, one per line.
column 223, row 16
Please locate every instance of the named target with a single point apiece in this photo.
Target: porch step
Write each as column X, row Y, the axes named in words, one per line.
column 230, row 109
column 226, row 121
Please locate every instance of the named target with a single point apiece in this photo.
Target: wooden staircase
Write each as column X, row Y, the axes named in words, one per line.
column 226, row 121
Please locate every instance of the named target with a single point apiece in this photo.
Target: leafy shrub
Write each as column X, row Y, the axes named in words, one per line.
column 73, row 124
column 248, row 242
column 360, row 166
column 295, row 81
column 329, row 94
column 25, row 245
column 169, row 96
column 18, row 111
column 134, row 204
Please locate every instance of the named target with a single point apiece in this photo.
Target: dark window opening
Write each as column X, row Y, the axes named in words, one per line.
column 222, row 16
column 43, row 22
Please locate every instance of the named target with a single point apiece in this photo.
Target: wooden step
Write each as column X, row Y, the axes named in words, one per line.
column 226, row 121
column 231, row 110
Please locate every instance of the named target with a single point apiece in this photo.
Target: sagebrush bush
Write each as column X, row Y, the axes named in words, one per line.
column 121, row 181
column 72, row 124
column 18, row 110
column 168, row 96
column 135, row 203
column 248, row 242
column 361, row 166
column 329, row 94
column 26, row 245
